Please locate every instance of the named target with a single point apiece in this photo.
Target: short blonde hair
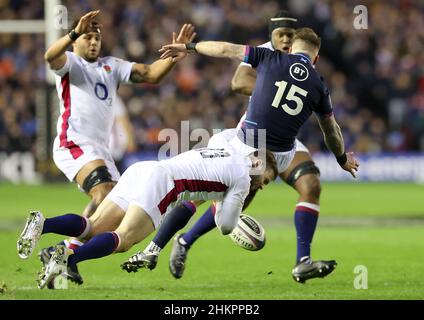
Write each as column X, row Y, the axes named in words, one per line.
column 308, row 36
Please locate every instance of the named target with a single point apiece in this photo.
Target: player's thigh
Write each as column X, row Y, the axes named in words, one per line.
column 135, row 227
column 88, row 168
column 107, row 217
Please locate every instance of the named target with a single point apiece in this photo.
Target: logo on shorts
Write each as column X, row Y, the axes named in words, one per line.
column 107, row 68
column 299, row 72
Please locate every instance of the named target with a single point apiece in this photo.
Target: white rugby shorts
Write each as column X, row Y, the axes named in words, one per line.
column 71, row 159
column 147, row 185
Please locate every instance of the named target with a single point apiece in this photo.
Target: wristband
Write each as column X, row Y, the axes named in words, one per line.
column 342, row 159
column 191, row 46
column 73, row 35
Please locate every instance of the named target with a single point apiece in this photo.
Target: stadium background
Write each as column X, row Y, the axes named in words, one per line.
column 377, row 83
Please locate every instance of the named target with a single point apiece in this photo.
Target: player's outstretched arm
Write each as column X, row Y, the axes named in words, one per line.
column 215, row 49
column 227, row 214
column 334, row 140
column 155, row 72
column 244, row 80
column 55, row 56
column 227, row 211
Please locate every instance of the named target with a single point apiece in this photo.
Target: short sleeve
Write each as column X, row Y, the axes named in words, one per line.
column 244, row 64
column 70, row 60
column 123, row 70
column 255, row 55
column 325, row 107
column 267, row 45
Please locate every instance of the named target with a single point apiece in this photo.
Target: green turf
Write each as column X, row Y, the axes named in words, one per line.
column 217, row 269
column 346, row 199
column 339, row 199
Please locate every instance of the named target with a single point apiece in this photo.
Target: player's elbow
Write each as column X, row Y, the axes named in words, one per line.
column 236, row 86
column 51, row 60
column 241, row 87
column 48, row 57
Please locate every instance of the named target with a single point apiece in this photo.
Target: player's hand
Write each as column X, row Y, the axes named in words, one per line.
column 186, row 34
column 351, row 164
column 84, row 23
column 173, row 50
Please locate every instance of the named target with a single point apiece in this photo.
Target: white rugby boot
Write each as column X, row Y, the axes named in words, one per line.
column 30, row 235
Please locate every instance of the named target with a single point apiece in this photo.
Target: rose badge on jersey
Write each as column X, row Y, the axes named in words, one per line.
column 107, row 68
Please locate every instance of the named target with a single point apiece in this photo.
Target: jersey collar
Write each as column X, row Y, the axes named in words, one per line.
column 96, row 63
column 304, row 56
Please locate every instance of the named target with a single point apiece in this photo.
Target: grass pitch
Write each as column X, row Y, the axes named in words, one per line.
column 379, row 226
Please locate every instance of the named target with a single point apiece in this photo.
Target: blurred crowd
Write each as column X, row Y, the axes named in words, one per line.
column 375, row 75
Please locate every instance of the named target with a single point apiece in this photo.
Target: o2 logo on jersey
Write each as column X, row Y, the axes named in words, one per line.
column 101, row 91
column 299, row 72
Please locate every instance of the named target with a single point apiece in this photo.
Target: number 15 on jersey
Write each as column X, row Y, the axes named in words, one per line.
column 291, row 96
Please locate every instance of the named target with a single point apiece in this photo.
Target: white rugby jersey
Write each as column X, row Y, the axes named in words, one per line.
column 87, row 92
column 209, row 174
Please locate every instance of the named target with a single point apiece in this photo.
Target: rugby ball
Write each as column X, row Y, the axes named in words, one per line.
column 248, row 234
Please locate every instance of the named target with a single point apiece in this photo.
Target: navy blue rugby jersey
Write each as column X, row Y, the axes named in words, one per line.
column 288, row 89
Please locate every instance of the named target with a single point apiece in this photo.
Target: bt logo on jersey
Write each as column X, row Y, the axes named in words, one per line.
column 299, row 72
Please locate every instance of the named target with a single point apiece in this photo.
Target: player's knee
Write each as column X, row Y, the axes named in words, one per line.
column 309, row 186
column 98, row 177
column 305, row 179
column 302, row 169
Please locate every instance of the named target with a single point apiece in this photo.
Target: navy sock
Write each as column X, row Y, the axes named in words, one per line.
column 99, row 246
column 305, row 220
column 69, row 224
column 174, row 221
column 205, row 224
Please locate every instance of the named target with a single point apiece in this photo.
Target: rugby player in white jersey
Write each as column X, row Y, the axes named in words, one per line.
column 86, row 85
column 145, row 193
